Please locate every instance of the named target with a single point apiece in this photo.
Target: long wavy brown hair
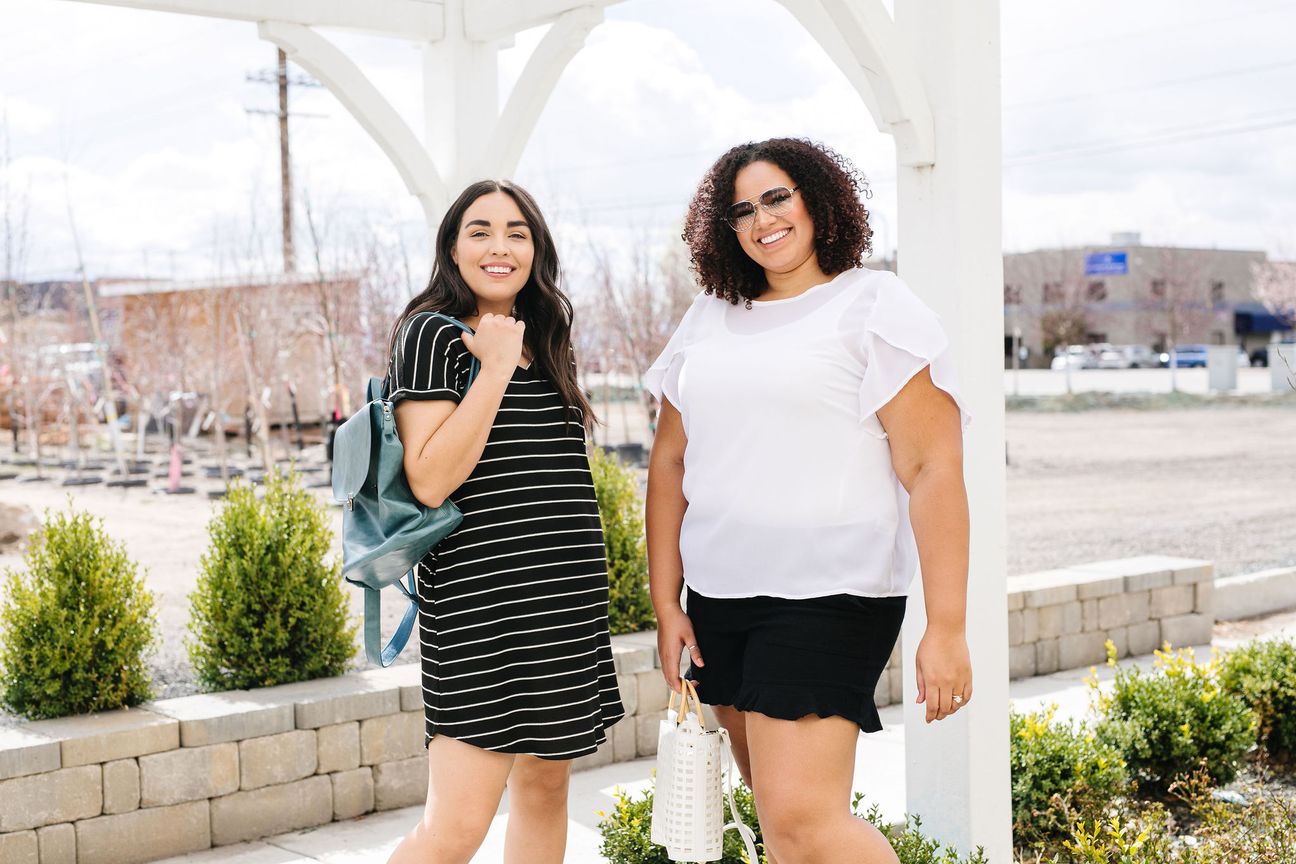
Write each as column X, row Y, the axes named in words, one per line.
column 833, row 192
column 541, row 303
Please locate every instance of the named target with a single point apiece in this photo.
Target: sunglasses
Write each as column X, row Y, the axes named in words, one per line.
column 775, row 202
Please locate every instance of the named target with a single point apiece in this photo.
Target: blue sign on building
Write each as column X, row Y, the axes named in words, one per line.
column 1107, row 264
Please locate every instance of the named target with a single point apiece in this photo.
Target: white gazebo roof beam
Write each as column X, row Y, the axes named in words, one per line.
column 492, row 20
column 406, row 19
column 357, row 93
column 862, row 39
column 531, row 91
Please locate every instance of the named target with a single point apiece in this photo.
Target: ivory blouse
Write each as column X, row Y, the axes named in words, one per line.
column 787, row 472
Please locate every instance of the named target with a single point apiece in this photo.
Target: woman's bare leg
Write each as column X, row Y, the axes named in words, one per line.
column 803, row 770
column 465, row 784
column 735, row 722
column 537, row 820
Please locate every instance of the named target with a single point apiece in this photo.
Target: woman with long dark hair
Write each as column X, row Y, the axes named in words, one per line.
column 808, row 455
column 517, row 661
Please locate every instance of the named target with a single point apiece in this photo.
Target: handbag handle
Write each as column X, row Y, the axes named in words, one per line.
column 688, row 690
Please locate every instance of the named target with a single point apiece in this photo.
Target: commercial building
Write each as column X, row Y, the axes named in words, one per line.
column 1128, row 293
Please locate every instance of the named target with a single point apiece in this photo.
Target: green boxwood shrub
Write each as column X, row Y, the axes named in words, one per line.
column 1058, row 770
column 1263, row 673
column 77, row 627
column 625, row 834
column 617, row 487
column 269, row 608
column 1174, row 720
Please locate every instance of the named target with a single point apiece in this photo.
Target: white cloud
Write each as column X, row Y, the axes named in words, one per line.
column 148, row 112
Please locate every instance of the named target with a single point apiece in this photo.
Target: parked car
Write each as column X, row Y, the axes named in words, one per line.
column 1077, row 356
column 1186, row 356
column 1127, row 357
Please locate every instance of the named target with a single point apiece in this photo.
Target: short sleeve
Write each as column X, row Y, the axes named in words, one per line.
column 902, row 336
column 662, row 377
column 431, row 362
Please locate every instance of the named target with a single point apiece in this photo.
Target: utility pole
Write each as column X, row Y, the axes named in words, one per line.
column 279, row 77
column 285, row 165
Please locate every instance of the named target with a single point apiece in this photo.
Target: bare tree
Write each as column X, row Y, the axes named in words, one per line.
column 636, row 308
column 1063, row 296
column 1275, row 286
column 1181, row 300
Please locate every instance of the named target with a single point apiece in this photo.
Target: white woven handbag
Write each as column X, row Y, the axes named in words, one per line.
column 692, row 767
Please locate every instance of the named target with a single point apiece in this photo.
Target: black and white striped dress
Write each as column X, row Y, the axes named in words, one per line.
column 513, row 605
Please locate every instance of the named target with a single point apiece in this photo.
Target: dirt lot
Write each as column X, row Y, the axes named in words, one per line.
column 1217, row 483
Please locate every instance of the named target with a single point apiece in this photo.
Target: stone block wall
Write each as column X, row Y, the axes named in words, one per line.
column 182, row 775
column 1062, row 619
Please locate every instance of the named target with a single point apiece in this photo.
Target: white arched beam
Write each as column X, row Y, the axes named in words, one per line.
column 491, row 20
column 408, row 19
column 357, row 93
column 531, row 92
column 862, row 39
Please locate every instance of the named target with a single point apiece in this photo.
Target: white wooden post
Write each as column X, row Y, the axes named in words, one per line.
column 949, row 228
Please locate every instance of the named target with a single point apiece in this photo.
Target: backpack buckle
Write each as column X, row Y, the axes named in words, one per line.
column 350, row 502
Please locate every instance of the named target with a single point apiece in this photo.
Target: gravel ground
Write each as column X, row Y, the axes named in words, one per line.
column 1214, row 483
column 1210, row 483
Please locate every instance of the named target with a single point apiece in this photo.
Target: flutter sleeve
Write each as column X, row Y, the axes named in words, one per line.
column 901, row 337
column 662, row 377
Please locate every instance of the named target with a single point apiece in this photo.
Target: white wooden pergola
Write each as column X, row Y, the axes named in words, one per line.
column 930, row 77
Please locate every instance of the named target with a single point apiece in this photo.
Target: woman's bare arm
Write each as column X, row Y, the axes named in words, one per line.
column 922, row 424
column 664, row 512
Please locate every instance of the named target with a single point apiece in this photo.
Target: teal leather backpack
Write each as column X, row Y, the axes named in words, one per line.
column 386, row 531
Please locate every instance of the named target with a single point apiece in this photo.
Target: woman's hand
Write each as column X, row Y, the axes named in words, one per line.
column 497, row 343
column 944, row 671
column 674, row 634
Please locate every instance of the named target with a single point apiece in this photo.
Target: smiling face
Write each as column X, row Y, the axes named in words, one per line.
column 780, row 244
column 494, row 249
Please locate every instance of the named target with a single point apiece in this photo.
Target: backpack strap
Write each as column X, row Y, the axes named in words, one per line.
column 387, row 654
column 373, row 623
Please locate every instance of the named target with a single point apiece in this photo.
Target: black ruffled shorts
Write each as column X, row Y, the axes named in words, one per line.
column 791, row 658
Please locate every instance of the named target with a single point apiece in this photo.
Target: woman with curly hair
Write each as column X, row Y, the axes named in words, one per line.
column 808, row 456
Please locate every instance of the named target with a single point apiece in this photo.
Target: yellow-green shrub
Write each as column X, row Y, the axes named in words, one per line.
column 617, row 487
column 77, row 625
column 269, row 608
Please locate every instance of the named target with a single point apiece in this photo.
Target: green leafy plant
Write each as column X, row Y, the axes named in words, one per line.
column 1259, row 830
column 617, row 487
column 77, row 626
column 269, row 608
column 1058, row 769
column 625, row 831
column 1123, row 838
column 1174, row 720
column 1263, row 673
column 625, row 834
column 910, row 844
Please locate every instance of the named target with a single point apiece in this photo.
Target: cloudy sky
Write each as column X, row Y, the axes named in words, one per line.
column 1171, row 117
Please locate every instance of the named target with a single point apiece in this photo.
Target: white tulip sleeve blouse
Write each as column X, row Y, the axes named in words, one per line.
column 787, row 473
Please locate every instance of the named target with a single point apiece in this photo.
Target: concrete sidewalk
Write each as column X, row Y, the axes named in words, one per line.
column 879, row 774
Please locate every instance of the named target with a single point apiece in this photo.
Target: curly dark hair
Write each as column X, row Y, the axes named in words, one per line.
column 830, row 187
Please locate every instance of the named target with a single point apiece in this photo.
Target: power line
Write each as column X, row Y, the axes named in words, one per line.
column 1171, row 136
column 1156, row 85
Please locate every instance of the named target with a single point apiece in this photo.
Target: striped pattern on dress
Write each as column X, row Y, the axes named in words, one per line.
column 513, row 620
